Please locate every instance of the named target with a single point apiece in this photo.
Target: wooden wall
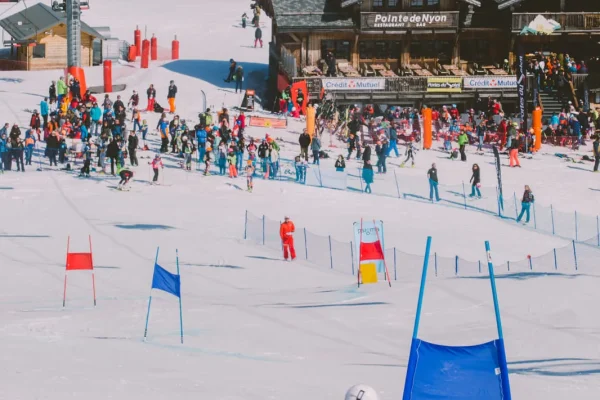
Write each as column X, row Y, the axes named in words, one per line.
column 445, row 5
column 56, row 50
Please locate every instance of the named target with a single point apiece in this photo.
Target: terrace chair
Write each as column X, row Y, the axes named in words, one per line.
column 367, row 71
column 442, row 71
column 387, row 66
column 479, row 70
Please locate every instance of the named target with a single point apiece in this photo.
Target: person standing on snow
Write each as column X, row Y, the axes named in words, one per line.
column 52, row 92
column 249, row 176
column 232, row 68
column 475, row 181
column 526, row 202
column 315, row 146
column 410, row 153
column 156, row 164
column 44, row 111
column 171, row 96
column 134, row 100
column 304, row 141
column 61, row 89
column 433, row 183
column 514, row 154
column 463, row 139
column 151, row 93
column 286, row 232
column 258, row 37
column 239, row 79
column 132, row 145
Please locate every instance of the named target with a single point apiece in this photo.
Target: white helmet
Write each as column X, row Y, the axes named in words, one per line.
column 361, row 392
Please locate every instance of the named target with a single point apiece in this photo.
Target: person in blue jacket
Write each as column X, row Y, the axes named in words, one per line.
column 393, row 142
column 96, row 117
column 29, row 146
column 201, row 137
column 3, row 151
column 44, row 111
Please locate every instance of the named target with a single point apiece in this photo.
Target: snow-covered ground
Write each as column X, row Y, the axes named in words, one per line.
column 256, row 327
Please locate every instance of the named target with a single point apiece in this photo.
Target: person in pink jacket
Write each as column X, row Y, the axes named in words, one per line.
column 156, row 163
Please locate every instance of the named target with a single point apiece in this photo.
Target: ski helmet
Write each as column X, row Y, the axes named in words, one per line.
column 361, row 392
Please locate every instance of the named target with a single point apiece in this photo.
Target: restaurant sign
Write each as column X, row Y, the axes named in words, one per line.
column 351, row 84
column 447, row 84
column 382, row 20
column 485, row 82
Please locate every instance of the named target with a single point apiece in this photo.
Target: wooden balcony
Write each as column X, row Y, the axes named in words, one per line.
column 569, row 22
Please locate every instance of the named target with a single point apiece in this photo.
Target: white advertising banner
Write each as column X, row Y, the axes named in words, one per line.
column 352, row 84
column 490, row 82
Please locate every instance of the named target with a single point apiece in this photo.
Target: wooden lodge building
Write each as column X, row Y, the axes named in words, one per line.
column 39, row 39
column 422, row 50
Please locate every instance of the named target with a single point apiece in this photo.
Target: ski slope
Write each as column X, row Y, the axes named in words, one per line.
column 256, row 327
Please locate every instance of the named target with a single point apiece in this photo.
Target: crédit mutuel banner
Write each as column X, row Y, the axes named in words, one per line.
column 403, row 20
column 353, row 84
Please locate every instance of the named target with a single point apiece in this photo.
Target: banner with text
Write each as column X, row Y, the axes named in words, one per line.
column 404, row 20
column 447, row 84
column 352, row 84
column 488, row 82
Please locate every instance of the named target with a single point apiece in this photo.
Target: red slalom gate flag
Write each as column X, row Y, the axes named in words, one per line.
column 371, row 251
column 79, row 262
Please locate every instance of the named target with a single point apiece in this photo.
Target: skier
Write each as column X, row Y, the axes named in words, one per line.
column 258, row 37
column 29, row 145
column 207, row 160
column 151, row 93
column 126, row 176
column 244, row 18
column 61, row 89
column 433, row 183
column 315, row 146
column 409, row 153
column 232, row 68
column 239, row 79
column 304, row 141
column 367, row 174
column 87, row 160
column 526, row 202
column 231, row 161
column 249, row 175
column 52, row 92
column 156, row 163
column 286, row 232
column 44, row 110
column 132, row 145
column 187, row 149
column 171, row 96
column 475, row 181
column 381, row 150
column 463, row 139
column 340, row 164
column 134, row 100
column 514, row 154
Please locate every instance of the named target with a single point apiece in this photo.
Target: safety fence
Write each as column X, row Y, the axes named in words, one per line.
column 573, row 226
column 340, row 256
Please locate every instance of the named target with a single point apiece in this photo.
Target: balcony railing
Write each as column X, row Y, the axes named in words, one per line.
column 569, row 22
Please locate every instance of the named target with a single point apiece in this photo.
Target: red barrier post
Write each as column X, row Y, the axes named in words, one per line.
column 154, row 48
column 108, row 76
column 145, row 53
column 175, row 49
column 132, row 53
column 137, row 35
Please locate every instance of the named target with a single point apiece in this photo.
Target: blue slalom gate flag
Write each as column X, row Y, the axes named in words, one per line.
column 166, row 281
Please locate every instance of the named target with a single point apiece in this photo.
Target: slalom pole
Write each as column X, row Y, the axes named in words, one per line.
column 180, row 308
column 360, row 250
column 387, row 273
column 93, row 277
column 150, row 299
column 66, row 266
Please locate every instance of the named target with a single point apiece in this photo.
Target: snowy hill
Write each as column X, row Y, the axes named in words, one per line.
column 257, row 327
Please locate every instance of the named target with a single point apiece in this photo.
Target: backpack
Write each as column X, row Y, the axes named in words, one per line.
column 158, row 108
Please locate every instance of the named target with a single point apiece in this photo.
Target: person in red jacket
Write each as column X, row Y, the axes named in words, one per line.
column 286, row 232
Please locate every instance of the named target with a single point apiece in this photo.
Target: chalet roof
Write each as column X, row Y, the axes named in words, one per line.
column 38, row 19
column 310, row 14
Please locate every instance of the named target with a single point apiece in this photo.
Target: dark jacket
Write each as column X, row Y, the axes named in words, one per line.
column 112, row 150
column 172, row 92
column 52, row 91
column 475, row 178
column 239, row 75
column 527, row 197
column 596, row 146
column 340, row 163
column 432, row 173
column 132, row 142
column 151, row 93
column 304, row 140
column 367, row 154
column 262, row 150
column 52, row 142
column 258, row 33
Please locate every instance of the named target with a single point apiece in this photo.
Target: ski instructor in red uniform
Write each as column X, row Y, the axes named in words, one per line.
column 286, row 231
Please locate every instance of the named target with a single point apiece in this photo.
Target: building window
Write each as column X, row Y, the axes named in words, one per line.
column 386, row 4
column 39, row 51
column 380, row 50
column 425, row 4
column 431, row 49
column 378, row 3
column 475, row 50
column 339, row 48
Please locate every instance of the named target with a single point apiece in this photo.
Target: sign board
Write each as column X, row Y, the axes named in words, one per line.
column 490, row 82
column 352, row 84
column 347, row 3
column 404, row 20
column 263, row 122
column 446, row 84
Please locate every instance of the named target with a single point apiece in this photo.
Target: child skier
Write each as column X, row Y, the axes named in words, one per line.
column 144, row 133
column 156, row 163
column 126, row 174
column 410, row 154
column 207, row 159
column 249, row 175
column 231, row 160
column 87, row 157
